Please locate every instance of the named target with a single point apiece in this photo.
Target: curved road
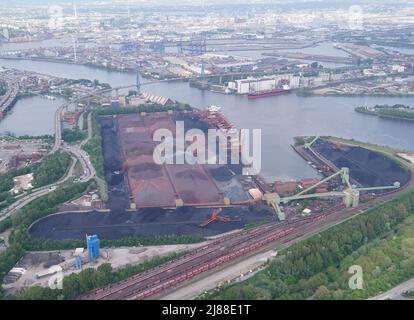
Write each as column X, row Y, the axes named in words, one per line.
column 77, row 155
column 37, row 193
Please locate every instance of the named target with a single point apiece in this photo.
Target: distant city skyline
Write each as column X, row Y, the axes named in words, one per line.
column 210, row 2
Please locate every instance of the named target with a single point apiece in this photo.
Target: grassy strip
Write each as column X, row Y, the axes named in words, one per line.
column 397, row 111
column 390, row 153
column 148, row 108
column 366, row 145
column 32, row 244
column 94, row 147
column 49, row 170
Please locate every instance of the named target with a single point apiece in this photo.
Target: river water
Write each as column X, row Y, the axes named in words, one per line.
column 31, row 116
column 280, row 118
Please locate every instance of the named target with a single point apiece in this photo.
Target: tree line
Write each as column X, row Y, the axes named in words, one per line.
column 77, row 284
column 52, row 168
column 73, row 135
column 400, row 111
column 3, row 88
column 49, row 170
column 147, row 107
column 94, row 147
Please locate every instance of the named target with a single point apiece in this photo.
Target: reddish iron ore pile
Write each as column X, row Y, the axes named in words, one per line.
column 153, row 185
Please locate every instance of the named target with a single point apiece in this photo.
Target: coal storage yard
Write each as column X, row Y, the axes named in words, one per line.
column 145, row 223
column 369, row 168
column 135, row 181
column 149, row 200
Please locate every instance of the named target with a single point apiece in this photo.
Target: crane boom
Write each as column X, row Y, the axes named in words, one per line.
column 350, row 195
column 345, row 179
column 313, row 195
column 396, row 185
column 310, row 144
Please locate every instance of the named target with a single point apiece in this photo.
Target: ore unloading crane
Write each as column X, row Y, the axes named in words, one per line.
column 310, row 144
column 215, row 217
column 350, row 195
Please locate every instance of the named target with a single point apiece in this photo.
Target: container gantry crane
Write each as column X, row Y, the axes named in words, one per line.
column 350, row 195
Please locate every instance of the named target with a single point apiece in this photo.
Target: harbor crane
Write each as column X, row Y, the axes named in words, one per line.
column 216, row 217
column 196, row 46
column 350, row 194
column 308, row 145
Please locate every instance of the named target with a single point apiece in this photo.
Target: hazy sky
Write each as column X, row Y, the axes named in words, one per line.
column 7, row 2
column 285, row 3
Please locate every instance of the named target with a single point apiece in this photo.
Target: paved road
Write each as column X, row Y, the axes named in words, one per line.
column 58, row 123
column 58, row 129
column 7, row 100
column 77, row 155
column 395, row 293
column 89, row 130
column 37, row 193
column 83, row 157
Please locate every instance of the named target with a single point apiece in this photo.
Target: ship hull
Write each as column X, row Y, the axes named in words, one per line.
column 267, row 94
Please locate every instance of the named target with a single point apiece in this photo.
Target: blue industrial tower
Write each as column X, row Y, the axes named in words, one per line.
column 93, row 247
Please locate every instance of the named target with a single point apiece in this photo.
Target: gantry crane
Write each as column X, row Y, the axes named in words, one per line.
column 350, row 194
column 215, row 217
column 308, row 145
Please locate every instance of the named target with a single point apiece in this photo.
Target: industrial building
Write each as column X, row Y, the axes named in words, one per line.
column 164, row 101
column 245, row 86
column 293, row 81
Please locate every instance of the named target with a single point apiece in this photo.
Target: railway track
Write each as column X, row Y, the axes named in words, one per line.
column 218, row 252
column 198, row 253
column 227, row 249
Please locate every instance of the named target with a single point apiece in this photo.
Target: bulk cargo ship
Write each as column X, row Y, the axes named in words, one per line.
column 268, row 93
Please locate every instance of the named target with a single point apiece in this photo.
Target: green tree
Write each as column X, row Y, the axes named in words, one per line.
column 322, row 293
